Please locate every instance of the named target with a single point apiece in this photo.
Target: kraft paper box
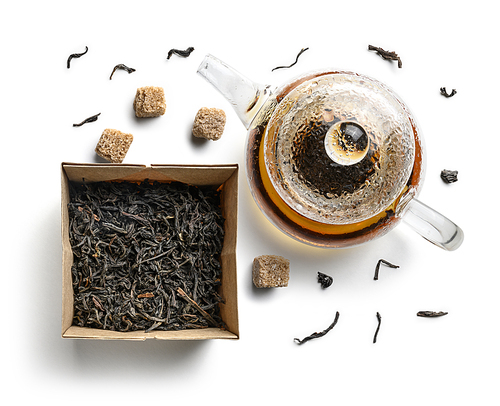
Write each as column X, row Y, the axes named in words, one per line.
column 198, row 175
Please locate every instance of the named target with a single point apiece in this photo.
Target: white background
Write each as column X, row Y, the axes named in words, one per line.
column 415, row 361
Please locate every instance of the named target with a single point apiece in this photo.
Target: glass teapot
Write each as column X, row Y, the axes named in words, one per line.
column 333, row 158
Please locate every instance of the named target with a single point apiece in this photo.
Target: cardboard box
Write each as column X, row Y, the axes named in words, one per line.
column 217, row 175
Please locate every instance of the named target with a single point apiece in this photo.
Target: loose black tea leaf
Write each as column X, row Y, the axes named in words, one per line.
column 446, row 94
column 431, row 314
column 387, row 55
column 379, row 318
column 315, row 168
column 197, row 306
column 325, row 280
column 145, row 256
column 76, row 56
column 377, row 268
column 87, row 120
column 122, row 67
column 449, row 176
column 296, row 60
column 180, row 52
column 318, row 335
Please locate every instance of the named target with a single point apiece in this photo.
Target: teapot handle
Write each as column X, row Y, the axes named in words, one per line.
column 433, row 226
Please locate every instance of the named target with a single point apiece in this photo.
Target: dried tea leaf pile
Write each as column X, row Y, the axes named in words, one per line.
column 146, row 256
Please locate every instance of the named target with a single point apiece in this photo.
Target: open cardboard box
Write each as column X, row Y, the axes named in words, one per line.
column 216, row 175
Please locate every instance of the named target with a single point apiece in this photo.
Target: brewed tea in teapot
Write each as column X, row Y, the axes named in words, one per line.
column 333, row 158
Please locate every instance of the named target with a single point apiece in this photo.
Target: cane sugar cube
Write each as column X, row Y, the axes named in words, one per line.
column 149, row 102
column 270, row 271
column 209, row 123
column 113, row 145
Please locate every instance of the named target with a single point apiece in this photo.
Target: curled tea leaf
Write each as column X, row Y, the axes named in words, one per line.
column 377, row 268
column 387, row 55
column 446, row 94
column 296, row 60
column 88, row 120
column 184, row 53
column 325, row 280
column 122, row 67
column 76, row 56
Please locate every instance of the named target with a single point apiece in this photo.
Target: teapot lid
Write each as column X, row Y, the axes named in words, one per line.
column 339, row 147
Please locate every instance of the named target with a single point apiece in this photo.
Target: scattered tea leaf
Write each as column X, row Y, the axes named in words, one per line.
column 122, row 67
column 320, row 334
column 379, row 318
column 325, row 280
column 296, row 60
column 180, row 52
column 76, row 56
column 431, row 314
column 87, row 120
column 449, row 176
column 446, row 94
column 377, row 268
column 387, row 55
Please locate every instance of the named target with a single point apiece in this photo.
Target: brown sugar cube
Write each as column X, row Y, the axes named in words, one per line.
column 149, row 102
column 270, row 271
column 209, row 123
column 113, row 145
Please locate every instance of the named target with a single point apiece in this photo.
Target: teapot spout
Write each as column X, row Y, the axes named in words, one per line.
column 245, row 96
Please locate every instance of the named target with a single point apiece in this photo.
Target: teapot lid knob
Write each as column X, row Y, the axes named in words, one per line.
column 347, row 142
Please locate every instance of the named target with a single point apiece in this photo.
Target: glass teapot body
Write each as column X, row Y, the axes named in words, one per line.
column 298, row 190
column 311, row 220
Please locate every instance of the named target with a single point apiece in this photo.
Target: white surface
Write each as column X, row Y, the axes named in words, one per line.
column 416, row 361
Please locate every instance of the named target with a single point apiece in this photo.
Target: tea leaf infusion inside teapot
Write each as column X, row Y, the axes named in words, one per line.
column 319, row 170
